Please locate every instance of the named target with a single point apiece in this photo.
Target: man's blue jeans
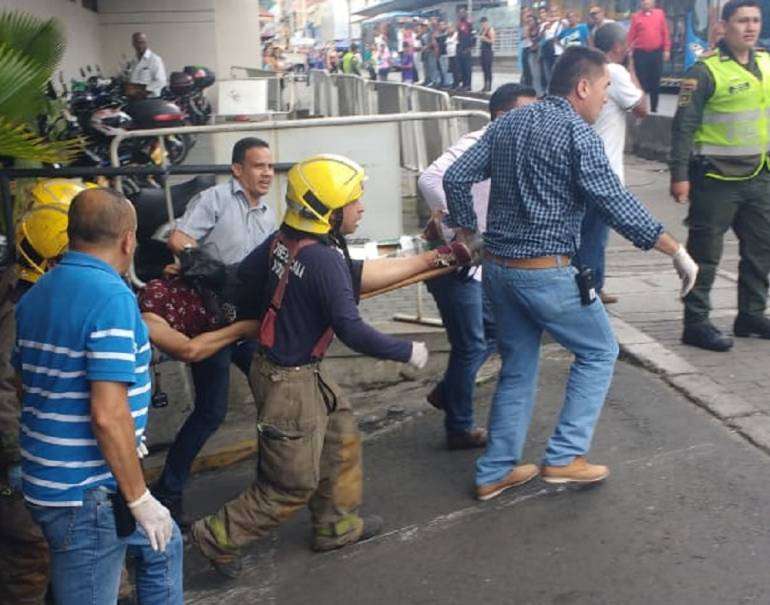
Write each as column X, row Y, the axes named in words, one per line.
column 446, row 73
column 433, row 73
column 470, row 329
column 211, row 378
column 525, row 302
column 87, row 556
column 594, row 233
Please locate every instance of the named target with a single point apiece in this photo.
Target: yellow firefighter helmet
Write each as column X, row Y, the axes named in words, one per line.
column 317, row 187
column 41, row 233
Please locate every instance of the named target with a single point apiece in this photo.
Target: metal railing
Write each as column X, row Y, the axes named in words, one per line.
column 392, row 98
column 352, row 97
column 471, row 124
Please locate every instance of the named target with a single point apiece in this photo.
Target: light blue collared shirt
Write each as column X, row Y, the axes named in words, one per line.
column 221, row 219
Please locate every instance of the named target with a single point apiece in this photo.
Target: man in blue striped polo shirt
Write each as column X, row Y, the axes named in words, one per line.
column 82, row 352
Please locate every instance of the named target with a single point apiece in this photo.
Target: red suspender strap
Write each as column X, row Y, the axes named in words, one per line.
column 319, row 350
column 267, row 325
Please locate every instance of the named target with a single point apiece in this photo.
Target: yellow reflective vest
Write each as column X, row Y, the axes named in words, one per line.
column 737, row 116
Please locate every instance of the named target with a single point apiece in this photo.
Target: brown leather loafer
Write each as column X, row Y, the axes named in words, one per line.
column 518, row 476
column 608, row 299
column 577, row 471
column 468, row 440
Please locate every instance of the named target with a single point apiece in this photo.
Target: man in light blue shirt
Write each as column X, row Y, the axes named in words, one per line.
column 230, row 220
column 83, row 353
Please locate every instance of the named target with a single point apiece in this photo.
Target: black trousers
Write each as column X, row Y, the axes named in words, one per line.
column 464, row 63
column 456, row 75
column 715, row 207
column 486, row 67
column 649, row 67
column 526, row 70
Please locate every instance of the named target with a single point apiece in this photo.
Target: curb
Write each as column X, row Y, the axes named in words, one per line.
column 734, row 411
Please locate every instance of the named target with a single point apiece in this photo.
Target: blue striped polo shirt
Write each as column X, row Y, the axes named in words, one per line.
column 79, row 323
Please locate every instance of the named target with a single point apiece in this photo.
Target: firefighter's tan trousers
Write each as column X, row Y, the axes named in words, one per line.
column 309, row 452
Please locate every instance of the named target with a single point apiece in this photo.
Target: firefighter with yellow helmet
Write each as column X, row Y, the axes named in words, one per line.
column 41, row 237
column 720, row 163
column 304, row 287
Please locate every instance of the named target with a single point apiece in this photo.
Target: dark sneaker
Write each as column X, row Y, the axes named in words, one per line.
column 706, row 335
column 467, row 439
column 372, row 525
column 577, row 471
column 518, row 476
column 228, row 566
column 434, row 397
column 751, row 325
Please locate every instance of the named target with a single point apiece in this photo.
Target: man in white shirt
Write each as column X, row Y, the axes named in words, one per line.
column 146, row 67
column 624, row 95
column 458, row 296
column 596, row 19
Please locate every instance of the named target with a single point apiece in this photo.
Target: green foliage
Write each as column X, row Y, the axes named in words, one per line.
column 30, row 50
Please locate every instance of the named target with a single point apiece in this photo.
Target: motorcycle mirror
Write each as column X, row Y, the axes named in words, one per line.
column 82, row 73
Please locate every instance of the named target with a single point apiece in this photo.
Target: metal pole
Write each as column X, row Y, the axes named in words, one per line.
column 291, row 124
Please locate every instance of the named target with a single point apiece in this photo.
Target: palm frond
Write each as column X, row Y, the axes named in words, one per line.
column 18, row 141
column 21, row 81
column 42, row 40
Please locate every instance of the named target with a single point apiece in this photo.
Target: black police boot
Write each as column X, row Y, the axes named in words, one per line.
column 705, row 335
column 751, row 325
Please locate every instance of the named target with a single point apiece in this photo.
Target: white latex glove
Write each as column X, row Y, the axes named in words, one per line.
column 154, row 518
column 686, row 268
column 141, row 449
column 419, row 355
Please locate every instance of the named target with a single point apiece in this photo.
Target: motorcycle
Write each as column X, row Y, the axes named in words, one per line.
column 96, row 110
column 185, row 88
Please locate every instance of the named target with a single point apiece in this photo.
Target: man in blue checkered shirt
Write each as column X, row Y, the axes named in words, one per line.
column 546, row 164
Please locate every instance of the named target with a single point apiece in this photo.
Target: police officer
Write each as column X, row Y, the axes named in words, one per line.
column 719, row 162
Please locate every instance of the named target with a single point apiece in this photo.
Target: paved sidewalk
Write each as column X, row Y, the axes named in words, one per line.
column 734, row 386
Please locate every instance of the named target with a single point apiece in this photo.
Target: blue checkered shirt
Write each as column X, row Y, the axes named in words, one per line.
column 546, row 163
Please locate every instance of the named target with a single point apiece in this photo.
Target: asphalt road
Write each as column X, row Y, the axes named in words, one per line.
column 683, row 518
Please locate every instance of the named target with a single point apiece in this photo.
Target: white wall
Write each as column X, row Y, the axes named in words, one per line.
column 237, row 35
column 81, row 27
column 180, row 31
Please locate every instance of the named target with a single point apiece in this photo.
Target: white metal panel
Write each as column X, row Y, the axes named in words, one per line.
column 375, row 146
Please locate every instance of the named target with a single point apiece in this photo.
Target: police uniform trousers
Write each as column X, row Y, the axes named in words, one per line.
column 715, row 207
column 309, row 453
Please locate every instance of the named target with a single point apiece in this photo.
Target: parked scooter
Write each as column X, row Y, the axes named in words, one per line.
column 96, row 110
column 185, row 88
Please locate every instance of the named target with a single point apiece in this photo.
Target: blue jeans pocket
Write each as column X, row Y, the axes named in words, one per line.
column 57, row 523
